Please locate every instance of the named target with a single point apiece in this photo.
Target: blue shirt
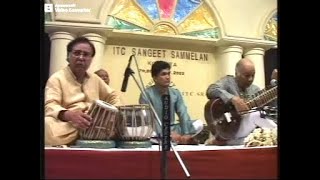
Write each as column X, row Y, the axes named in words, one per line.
column 177, row 105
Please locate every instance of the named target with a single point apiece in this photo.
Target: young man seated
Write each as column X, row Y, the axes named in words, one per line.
column 184, row 131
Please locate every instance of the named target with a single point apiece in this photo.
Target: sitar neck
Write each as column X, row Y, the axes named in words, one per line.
column 263, row 97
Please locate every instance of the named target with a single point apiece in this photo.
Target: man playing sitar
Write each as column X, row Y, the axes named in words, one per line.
column 231, row 100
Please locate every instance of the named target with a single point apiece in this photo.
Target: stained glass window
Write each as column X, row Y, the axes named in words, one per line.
column 178, row 17
column 271, row 30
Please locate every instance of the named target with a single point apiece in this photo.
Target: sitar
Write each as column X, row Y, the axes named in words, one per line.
column 223, row 120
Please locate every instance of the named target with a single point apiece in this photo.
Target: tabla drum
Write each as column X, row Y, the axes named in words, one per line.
column 102, row 130
column 135, row 124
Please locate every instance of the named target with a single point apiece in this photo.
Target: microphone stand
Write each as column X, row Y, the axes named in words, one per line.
column 131, row 72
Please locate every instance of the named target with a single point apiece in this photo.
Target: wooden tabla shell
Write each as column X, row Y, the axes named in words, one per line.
column 103, row 122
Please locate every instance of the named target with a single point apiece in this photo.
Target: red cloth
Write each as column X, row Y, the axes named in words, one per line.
column 215, row 164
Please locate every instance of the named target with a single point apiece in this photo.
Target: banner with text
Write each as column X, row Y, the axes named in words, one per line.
column 191, row 73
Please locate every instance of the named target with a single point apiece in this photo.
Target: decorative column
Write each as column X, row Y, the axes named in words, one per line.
column 58, row 51
column 99, row 43
column 227, row 59
column 257, row 57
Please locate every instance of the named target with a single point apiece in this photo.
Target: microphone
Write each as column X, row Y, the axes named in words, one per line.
column 166, row 130
column 273, row 82
column 127, row 73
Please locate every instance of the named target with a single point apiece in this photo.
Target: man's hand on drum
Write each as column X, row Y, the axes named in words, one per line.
column 79, row 118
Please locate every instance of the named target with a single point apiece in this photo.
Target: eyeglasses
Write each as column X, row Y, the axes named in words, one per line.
column 84, row 54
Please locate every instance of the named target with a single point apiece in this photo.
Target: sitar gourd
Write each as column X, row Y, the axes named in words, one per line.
column 223, row 120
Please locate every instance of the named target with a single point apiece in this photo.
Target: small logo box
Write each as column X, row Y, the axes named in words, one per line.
column 48, row 7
